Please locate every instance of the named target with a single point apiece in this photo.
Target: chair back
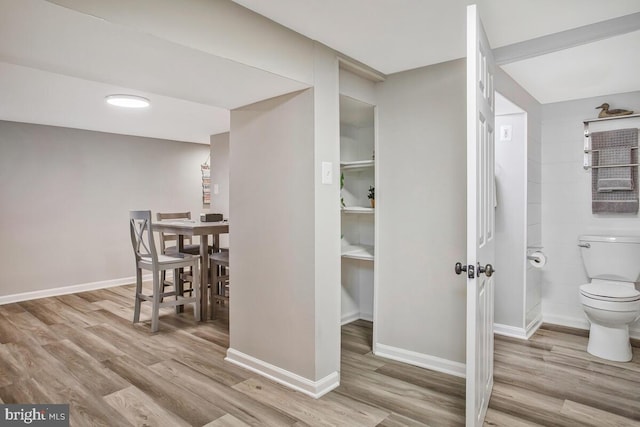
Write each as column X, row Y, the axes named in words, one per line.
column 144, row 245
column 168, row 237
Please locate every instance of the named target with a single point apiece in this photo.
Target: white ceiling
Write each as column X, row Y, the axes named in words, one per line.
column 58, row 100
column 50, row 75
column 397, row 35
column 182, row 83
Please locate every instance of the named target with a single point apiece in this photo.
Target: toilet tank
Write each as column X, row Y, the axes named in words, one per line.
column 611, row 257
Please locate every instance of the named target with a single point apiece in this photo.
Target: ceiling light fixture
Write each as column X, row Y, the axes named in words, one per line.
column 128, row 101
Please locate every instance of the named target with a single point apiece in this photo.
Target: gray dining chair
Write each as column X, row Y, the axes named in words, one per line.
column 188, row 248
column 218, row 291
column 147, row 258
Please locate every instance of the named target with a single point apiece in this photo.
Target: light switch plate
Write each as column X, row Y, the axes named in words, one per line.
column 216, row 189
column 505, row 132
column 327, row 173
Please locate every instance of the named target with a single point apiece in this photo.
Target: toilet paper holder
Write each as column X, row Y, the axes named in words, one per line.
column 536, row 257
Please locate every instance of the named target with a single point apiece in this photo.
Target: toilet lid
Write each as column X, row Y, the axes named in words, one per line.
column 609, row 292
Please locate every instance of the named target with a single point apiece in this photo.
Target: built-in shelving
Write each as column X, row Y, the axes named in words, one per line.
column 356, row 165
column 357, row 210
column 358, row 175
column 361, row 252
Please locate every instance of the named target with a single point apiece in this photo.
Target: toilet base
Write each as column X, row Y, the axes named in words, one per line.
column 611, row 343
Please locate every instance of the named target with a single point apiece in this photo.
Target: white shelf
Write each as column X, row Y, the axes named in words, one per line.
column 361, row 252
column 600, row 119
column 357, row 210
column 356, row 165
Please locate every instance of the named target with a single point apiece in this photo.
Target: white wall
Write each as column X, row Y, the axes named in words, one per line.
column 421, row 210
column 511, row 90
column 66, row 196
column 566, row 205
column 220, row 178
column 511, row 183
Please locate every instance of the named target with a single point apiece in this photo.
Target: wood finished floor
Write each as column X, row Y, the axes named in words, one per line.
column 82, row 349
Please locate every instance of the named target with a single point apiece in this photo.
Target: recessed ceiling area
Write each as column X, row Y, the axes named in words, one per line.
column 35, row 96
column 63, row 51
column 600, row 68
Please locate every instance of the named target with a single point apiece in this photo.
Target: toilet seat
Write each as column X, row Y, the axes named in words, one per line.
column 609, row 292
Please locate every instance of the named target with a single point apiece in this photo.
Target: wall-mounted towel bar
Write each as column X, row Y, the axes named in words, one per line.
column 611, row 166
column 586, row 163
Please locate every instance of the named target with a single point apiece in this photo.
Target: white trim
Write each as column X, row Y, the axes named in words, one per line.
column 534, row 325
column 520, row 333
column 65, row 290
column 421, row 360
column 366, row 316
column 572, row 322
column 509, row 331
column 583, row 323
column 314, row 389
column 353, row 316
column 349, row 317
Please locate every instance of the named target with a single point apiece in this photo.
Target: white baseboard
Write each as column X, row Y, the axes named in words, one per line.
column 515, row 332
column 583, row 323
column 65, row 290
column 572, row 322
column 534, row 325
column 314, row 389
column 367, row 316
column 351, row 317
column 422, row 360
column 509, row 331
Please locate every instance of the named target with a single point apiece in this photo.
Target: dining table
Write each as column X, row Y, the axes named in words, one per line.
column 190, row 228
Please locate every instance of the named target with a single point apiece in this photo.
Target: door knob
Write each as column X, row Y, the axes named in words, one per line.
column 488, row 270
column 460, row 268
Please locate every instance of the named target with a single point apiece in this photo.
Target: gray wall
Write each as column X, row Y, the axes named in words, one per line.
column 285, row 230
column 421, row 210
column 220, row 177
column 272, row 232
column 66, row 196
column 326, row 127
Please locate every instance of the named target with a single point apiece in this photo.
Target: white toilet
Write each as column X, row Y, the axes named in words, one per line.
column 611, row 301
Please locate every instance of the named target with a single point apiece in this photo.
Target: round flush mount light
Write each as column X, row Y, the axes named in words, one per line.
column 128, row 101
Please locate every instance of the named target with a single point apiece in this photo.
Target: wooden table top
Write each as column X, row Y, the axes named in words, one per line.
column 191, row 227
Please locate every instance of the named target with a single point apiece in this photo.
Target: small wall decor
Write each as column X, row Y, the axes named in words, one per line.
column 606, row 112
column 206, row 183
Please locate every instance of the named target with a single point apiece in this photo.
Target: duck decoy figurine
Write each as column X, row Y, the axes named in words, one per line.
column 605, row 112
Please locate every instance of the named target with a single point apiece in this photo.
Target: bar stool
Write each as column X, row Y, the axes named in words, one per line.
column 219, row 281
column 147, row 258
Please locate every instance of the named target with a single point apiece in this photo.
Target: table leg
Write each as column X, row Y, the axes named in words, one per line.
column 215, row 290
column 204, row 275
column 178, row 286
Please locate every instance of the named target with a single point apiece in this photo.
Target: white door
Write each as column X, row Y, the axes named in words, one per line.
column 480, row 219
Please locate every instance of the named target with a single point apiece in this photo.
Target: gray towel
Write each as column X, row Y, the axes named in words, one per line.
column 614, row 190
column 615, row 149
